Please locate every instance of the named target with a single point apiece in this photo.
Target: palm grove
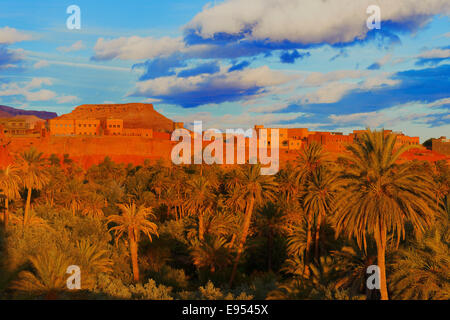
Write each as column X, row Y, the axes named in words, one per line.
column 190, row 232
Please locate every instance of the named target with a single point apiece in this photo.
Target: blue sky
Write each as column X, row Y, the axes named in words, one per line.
column 236, row 63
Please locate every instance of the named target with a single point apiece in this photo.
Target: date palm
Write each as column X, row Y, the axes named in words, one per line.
column 132, row 222
column 254, row 190
column 200, row 201
column 92, row 260
column 93, row 205
column 287, row 178
column 72, row 195
column 312, row 157
column 422, row 269
column 319, row 198
column 379, row 195
column 9, row 187
column 48, row 275
column 34, row 174
column 212, row 254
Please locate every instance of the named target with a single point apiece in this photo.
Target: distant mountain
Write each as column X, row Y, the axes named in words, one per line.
column 134, row 115
column 9, row 112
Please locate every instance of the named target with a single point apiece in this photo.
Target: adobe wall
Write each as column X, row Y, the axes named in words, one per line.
column 92, row 150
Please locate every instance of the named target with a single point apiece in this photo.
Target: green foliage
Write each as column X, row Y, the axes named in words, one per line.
column 210, row 219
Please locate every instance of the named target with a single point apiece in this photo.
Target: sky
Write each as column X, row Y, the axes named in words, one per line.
column 236, row 63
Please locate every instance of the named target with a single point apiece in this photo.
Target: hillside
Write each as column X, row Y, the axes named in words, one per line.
column 9, row 112
column 134, row 115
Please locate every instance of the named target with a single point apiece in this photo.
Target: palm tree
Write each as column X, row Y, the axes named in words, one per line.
column 288, row 181
column 270, row 223
column 72, row 195
column 92, row 260
column 48, row 276
column 93, row 204
column 34, row 174
column 200, row 200
column 310, row 160
column 379, row 196
column 422, row 271
column 132, row 222
column 319, row 198
column 311, row 157
column 212, row 254
column 254, row 190
column 9, row 187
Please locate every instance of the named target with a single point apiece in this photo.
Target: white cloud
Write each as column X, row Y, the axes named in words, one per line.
column 392, row 117
column 41, row 95
column 25, row 89
column 435, row 53
column 136, row 48
column 41, row 64
column 244, row 79
column 10, row 35
column 331, row 89
column 319, row 78
column 77, row 46
column 307, row 21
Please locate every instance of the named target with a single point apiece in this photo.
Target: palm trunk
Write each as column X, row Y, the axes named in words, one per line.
column 27, row 207
column 316, row 250
column 5, row 218
column 246, row 227
column 308, row 243
column 381, row 260
column 134, row 259
column 233, row 238
column 201, row 226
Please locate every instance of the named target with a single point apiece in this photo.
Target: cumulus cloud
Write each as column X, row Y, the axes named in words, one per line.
column 160, row 67
column 211, row 88
column 383, row 91
column 308, row 21
column 425, row 113
column 435, row 53
column 10, row 35
column 434, row 56
column 77, row 46
column 25, row 89
column 136, row 48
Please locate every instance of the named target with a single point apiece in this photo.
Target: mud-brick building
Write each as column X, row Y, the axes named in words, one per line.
column 61, row 127
column 14, row 127
column 441, row 145
column 112, row 127
column 88, row 127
